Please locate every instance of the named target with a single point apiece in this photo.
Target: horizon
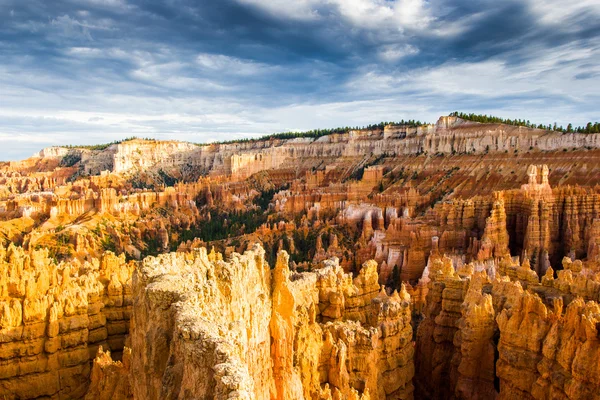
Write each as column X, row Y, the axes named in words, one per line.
column 97, row 71
column 266, row 136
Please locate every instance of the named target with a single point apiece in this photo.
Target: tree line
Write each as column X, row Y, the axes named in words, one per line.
column 104, row 146
column 489, row 119
column 313, row 133
column 317, row 133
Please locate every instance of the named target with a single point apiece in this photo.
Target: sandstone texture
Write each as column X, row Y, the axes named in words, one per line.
column 449, row 135
column 206, row 328
column 54, row 318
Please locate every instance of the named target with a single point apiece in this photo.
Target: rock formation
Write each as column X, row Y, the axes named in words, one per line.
column 54, row 318
column 449, row 135
column 109, row 379
column 493, row 339
column 270, row 341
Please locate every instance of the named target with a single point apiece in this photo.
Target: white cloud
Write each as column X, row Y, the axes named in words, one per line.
column 109, row 88
column 393, row 53
column 549, row 73
column 299, row 9
column 560, row 12
column 71, row 28
column 107, row 3
column 369, row 14
column 58, row 110
column 85, row 52
column 232, row 65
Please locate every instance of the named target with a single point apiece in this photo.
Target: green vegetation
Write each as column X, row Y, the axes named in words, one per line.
column 106, row 240
column 166, row 179
column 104, row 146
column 358, row 173
column 57, row 253
column 264, row 198
column 97, row 230
column 306, row 244
column 317, row 133
column 61, row 249
column 63, row 239
column 70, row 159
column 152, row 247
column 489, row 119
column 590, row 127
column 223, row 225
column 396, row 175
column 314, row 133
column 108, row 243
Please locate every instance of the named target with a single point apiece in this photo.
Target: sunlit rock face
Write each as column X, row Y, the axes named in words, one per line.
column 110, row 380
column 208, row 328
column 53, row 319
column 450, row 135
column 258, row 332
column 506, row 337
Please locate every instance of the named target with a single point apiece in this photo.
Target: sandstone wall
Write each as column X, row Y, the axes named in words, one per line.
column 206, row 328
column 54, row 317
column 110, row 380
column 511, row 337
column 545, row 226
column 200, row 327
column 449, row 136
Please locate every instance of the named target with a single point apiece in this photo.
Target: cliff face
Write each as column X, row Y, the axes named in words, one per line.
column 223, row 350
column 54, row 317
column 212, row 329
column 546, row 225
column 325, row 335
column 110, row 380
column 488, row 338
column 449, row 136
column 557, row 352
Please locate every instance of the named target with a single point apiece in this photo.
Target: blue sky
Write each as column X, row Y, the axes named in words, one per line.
column 92, row 71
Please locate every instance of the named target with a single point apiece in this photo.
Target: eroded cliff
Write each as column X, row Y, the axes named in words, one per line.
column 53, row 319
column 206, row 328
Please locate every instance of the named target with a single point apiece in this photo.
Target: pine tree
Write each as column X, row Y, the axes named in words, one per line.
column 395, row 278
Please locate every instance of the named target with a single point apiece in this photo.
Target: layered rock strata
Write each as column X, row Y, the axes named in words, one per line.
column 510, row 337
column 449, row 135
column 53, row 319
column 212, row 329
column 447, row 223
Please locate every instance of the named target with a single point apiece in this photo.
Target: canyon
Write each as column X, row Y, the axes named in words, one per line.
column 454, row 260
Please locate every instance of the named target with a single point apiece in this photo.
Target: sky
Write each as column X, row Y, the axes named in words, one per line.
column 94, row 71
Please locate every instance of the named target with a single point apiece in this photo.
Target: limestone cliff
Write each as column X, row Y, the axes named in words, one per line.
column 53, row 318
column 213, row 329
column 449, row 135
